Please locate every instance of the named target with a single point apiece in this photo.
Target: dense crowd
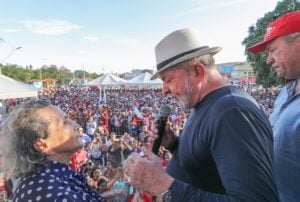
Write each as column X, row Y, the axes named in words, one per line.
column 264, row 96
column 116, row 122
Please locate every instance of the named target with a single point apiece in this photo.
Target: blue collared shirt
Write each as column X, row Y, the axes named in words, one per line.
column 285, row 121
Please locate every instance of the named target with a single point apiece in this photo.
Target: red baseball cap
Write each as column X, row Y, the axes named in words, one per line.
column 284, row 25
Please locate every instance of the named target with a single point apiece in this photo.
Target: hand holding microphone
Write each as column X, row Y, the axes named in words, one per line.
column 146, row 172
column 161, row 133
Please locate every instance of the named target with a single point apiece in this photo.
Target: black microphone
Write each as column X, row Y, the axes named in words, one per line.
column 164, row 112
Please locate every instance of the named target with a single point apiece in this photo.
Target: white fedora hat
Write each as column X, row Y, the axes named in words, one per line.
column 179, row 46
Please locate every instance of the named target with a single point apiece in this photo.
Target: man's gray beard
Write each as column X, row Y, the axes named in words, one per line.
column 185, row 100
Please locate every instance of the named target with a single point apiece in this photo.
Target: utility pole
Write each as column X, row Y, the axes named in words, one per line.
column 14, row 50
column 41, row 78
column 83, row 74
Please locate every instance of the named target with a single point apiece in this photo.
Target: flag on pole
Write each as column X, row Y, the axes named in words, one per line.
column 100, row 94
column 104, row 95
column 137, row 112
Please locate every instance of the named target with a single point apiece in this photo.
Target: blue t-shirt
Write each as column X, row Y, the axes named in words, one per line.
column 55, row 182
column 225, row 151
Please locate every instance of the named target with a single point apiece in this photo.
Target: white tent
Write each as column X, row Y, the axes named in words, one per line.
column 143, row 80
column 10, row 88
column 106, row 80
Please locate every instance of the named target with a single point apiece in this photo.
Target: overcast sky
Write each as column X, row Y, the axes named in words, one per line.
column 118, row 35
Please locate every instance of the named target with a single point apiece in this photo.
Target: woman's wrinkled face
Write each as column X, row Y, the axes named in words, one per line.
column 63, row 133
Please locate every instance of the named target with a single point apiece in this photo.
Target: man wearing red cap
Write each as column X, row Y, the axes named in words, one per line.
column 282, row 43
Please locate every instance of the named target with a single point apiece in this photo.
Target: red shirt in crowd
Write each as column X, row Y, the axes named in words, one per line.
column 78, row 158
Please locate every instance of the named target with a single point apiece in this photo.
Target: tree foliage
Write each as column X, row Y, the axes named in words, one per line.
column 17, row 72
column 266, row 75
column 62, row 75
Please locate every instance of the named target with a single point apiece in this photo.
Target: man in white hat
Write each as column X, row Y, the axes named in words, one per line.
column 282, row 43
column 225, row 150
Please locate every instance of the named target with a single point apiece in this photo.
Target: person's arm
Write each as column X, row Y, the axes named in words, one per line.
column 241, row 145
column 113, row 192
column 85, row 158
column 180, row 191
column 105, row 130
column 242, row 154
column 127, row 146
column 112, row 181
column 90, row 146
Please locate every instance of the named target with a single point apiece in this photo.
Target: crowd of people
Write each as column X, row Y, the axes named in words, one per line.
column 111, row 130
column 118, row 126
column 218, row 144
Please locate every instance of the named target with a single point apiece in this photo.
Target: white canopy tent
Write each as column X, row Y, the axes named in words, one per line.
column 106, row 80
column 143, row 80
column 10, row 88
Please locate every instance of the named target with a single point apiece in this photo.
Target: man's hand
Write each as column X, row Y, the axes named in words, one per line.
column 146, row 173
column 169, row 137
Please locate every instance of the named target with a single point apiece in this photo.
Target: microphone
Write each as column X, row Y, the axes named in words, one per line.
column 164, row 112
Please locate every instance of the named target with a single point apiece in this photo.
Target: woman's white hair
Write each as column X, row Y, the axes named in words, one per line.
column 18, row 133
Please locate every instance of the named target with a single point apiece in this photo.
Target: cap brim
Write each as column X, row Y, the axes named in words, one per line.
column 260, row 46
column 257, row 48
column 211, row 51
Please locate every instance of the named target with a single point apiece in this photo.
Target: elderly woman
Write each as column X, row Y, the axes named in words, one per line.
column 37, row 141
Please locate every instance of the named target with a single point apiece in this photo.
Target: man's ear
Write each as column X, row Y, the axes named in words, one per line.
column 198, row 70
column 40, row 145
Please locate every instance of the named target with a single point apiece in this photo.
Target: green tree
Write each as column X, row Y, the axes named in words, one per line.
column 64, row 76
column 16, row 72
column 265, row 74
column 94, row 75
column 50, row 72
column 79, row 74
